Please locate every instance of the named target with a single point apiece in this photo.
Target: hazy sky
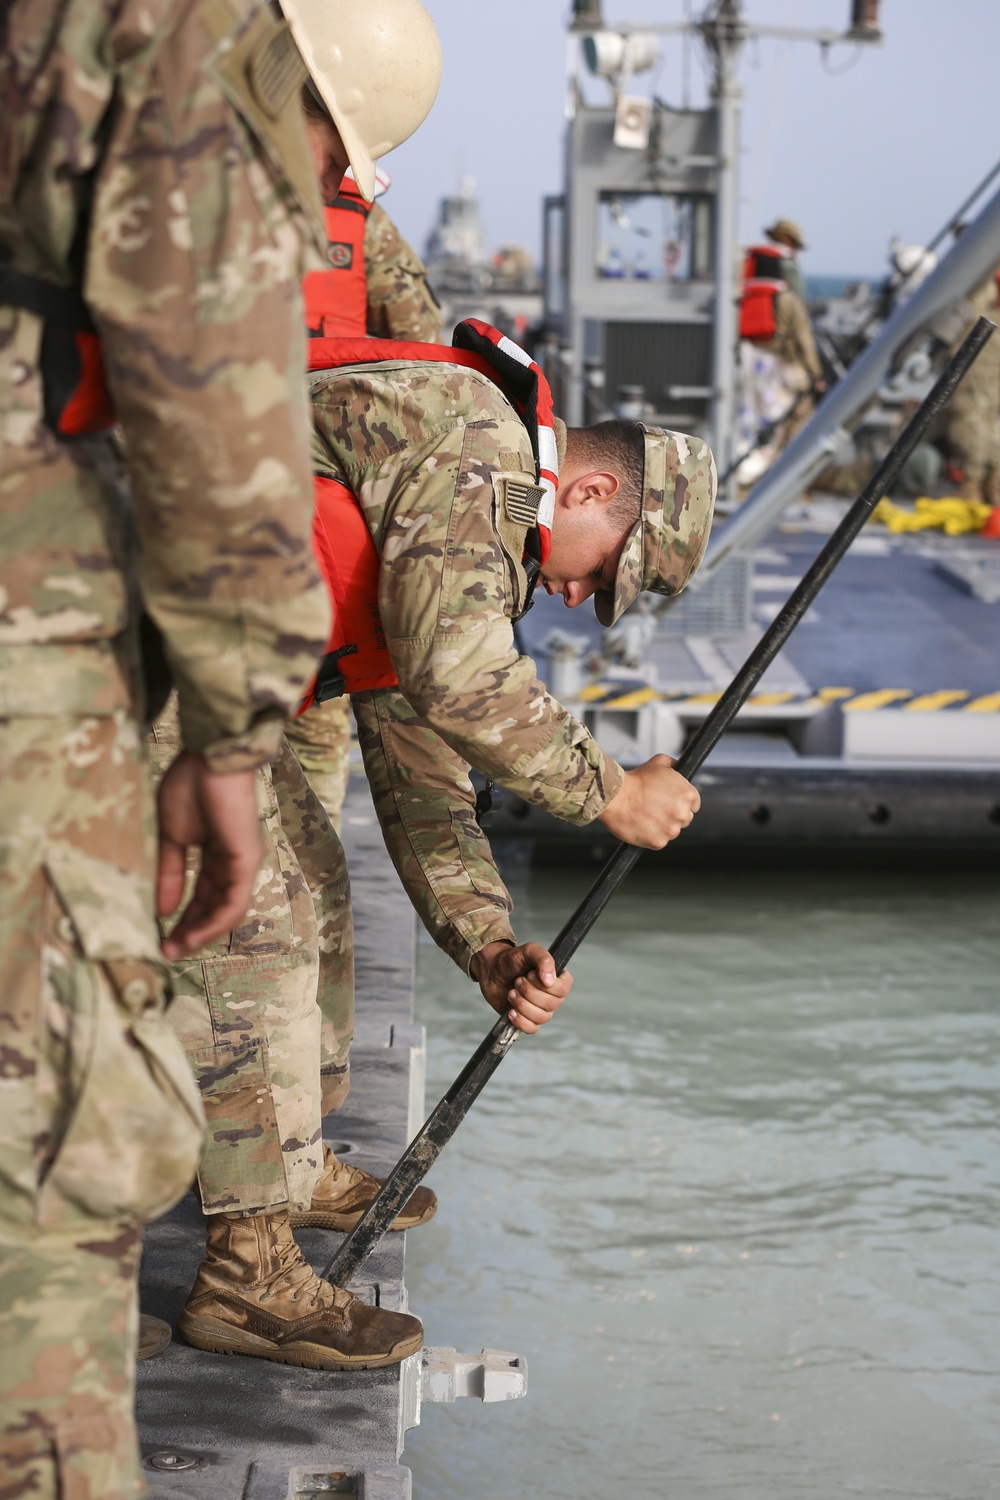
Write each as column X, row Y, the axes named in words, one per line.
column 891, row 146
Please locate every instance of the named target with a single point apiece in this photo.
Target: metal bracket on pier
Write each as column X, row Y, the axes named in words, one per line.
column 444, row 1375
column 492, row 1375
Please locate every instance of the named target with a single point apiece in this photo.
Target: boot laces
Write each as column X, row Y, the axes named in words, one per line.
column 295, row 1278
column 345, row 1176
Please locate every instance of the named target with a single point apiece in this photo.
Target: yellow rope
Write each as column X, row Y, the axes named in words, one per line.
column 954, row 516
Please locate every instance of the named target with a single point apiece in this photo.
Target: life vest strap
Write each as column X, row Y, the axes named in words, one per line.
column 58, row 304
column 75, row 395
column 352, row 205
column 330, row 680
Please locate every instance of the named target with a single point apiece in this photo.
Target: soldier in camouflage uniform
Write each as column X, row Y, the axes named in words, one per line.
column 795, row 346
column 265, row 1015
column 787, row 234
column 972, row 420
column 266, row 1020
column 400, row 305
column 429, row 450
column 100, row 1125
column 156, row 197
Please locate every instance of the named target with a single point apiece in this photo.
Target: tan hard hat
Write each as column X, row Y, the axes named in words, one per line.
column 786, row 229
column 663, row 550
column 376, row 65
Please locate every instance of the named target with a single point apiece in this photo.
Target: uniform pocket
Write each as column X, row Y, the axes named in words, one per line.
column 134, row 1123
column 474, row 853
column 96, row 1455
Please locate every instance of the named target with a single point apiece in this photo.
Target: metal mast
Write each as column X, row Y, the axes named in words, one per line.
column 724, row 33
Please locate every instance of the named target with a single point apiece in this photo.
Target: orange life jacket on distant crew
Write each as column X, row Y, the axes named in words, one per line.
column 357, row 658
column 763, row 279
column 336, row 299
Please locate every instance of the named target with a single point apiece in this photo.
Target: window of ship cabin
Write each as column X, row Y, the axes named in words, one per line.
column 654, row 236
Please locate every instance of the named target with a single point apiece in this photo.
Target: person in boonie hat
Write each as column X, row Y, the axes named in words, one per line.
column 786, row 232
column 633, row 512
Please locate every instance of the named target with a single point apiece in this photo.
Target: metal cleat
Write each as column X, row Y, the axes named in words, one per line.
column 492, row 1375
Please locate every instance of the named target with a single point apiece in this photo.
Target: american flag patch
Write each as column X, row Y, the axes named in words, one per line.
column 521, row 501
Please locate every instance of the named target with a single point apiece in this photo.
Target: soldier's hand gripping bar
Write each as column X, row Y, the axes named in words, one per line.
column 427, row 1145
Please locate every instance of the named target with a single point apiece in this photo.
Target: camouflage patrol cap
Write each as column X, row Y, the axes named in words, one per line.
column 786, row 229
column 665, row 546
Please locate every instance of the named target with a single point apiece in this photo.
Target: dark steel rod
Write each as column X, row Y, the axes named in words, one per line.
column 427, row 1145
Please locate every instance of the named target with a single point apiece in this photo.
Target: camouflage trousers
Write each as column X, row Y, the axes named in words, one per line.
column 973, row 438
column 321, row 739
column 266, row 1016
column 100, row 1124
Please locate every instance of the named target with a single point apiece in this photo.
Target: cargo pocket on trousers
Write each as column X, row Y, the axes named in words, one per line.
column 241, row 1165
column 135, row 1124
column 77, row 1459
column 96, row 1455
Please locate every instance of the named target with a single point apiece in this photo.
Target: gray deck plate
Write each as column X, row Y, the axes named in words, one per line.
column 260, row 1420
column 888, row 618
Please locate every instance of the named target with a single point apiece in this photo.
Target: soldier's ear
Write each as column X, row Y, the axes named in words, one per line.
column 601, row 487
column 592, row 487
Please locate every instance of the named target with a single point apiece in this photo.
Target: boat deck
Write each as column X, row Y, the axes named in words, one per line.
column 878, row 724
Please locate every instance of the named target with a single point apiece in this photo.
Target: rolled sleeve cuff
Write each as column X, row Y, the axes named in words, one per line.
column 256, row 747
column 606, row 785
column 470, row 938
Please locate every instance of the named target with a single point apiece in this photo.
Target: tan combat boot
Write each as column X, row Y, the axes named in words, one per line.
column 255, row 1294
column 154, row 1336
column 344, row 1193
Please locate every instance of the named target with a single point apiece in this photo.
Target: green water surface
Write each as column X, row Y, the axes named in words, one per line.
column 739, row 1205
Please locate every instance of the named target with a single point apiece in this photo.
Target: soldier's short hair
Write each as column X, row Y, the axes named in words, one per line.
column 312, row 107
column 617, row 445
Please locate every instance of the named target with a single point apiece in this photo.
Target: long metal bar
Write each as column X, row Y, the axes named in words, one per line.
column 825, row 36
column 426, row 1146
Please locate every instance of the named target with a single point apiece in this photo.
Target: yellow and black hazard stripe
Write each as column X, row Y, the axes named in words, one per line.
column 623, row 696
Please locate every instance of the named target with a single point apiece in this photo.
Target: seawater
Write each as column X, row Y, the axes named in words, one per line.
column 739, row 1204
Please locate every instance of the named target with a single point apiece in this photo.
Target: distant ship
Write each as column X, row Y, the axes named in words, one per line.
column 504, row 287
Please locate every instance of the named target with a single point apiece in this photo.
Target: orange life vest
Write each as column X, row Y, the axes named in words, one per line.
column 762, row 281
column 357, row 658
column 337, row 299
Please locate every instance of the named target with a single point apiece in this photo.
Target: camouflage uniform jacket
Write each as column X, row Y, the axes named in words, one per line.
column 793, row 336
column 159, row 143
column 401, row 304
column 979, row 389
column 427, row 448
